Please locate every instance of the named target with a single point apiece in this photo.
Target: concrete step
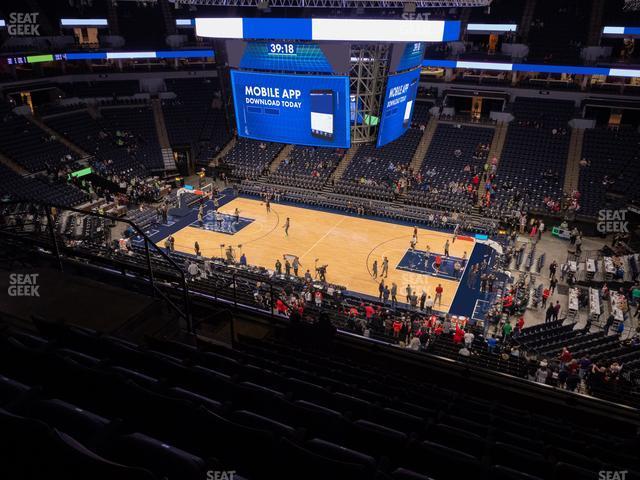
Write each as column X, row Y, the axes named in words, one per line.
column 161, row 128
column 572, row 169
column 284, row 153
column 10, row 164
column 223, row 152
column 66, row 142
column 497, row 145
column 168, row 160
column 344, row 163
column 423, row 147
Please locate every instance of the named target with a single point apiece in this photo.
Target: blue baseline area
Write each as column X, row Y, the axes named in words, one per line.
column 468, row 298
column 158, row 231
column 227, row 225
column 415, row 261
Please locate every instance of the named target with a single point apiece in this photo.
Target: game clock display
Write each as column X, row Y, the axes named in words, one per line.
column 282, row 49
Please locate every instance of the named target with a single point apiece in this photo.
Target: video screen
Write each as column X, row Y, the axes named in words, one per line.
column 399, row 103
column 298, row 109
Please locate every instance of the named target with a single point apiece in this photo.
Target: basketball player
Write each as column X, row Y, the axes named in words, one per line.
column 385, row 267
column 236, row 216
column 286, row 226
column 427, row 256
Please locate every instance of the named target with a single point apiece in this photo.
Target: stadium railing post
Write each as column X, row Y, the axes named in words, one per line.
column 151, row 277
column 54, row 241
column 235, row 292
column 271, row 295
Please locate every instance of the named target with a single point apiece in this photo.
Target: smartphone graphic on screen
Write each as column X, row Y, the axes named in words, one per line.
column 322, row 114
column 409, row 105
column 407, row 114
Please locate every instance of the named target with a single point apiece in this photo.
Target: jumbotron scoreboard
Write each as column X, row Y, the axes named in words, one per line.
column 295, row 80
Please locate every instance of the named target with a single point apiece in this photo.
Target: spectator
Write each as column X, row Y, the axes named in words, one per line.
column 468, row 339
column 492, row 342
column 543, row 373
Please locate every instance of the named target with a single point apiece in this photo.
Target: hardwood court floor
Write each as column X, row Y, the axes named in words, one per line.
column 349, row 245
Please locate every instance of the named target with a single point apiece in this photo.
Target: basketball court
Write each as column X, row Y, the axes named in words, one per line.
column 347, row 244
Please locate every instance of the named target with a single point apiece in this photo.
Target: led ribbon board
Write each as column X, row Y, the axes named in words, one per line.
column 84, row 22
column 623, row 31
column 337, row 29
column 535, row 68
column 492, row 27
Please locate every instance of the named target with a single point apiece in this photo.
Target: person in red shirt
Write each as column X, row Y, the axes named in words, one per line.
column 397, row 326
column 520, row 324
column 437, row 263
column 545, row 296
column 281, row 308
column 458, row 336
column 565, row 356
column 368, row 312
column 438, row 297
column 507, row 304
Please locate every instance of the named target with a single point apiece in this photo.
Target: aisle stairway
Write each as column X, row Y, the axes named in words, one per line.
column 344, row 163
column 527, row 18
column 572, row 174
column 284, row 153
column 10, row 164
column 168, row 160
column 223, row 152
column 595, row 22
column 163, row 137
column 71, row 146
column 423, row 147
column 497, row 144
column 498, row 140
